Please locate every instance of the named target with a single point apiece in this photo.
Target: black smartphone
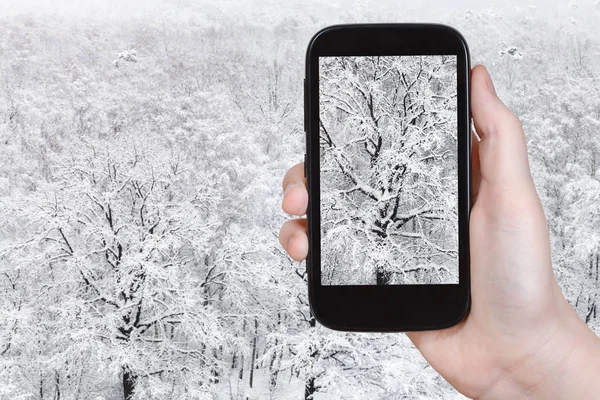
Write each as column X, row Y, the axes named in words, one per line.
column 388, row 174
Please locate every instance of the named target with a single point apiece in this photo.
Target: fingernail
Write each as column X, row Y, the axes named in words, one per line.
column 289, row 188
column 490, row 84
column 289, row 243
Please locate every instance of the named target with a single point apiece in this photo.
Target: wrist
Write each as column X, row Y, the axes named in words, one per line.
column 565, row 366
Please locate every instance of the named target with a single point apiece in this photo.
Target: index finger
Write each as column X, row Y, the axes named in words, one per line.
column 295, row 175
column 295, row 195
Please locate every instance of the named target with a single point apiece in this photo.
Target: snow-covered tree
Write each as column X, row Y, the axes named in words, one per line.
column 388, row 139
column 194, row 131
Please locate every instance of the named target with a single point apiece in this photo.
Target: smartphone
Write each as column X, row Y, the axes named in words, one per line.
column 387, row 166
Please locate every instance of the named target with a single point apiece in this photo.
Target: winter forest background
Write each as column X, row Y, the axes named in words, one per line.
column 143, row 146
column 389, row 167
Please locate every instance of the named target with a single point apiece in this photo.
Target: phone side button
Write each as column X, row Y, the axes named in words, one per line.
column 305, row 165
column 305, row 104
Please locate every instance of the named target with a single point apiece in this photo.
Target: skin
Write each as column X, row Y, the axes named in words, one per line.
column 521, row 339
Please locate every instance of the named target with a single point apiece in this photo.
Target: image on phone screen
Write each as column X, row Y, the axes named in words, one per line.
column 388, row 166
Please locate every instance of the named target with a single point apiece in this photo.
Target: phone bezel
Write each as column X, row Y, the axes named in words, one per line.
column 393, row 307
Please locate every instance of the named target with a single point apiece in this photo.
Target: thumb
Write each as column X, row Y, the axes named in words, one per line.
column 502, row 149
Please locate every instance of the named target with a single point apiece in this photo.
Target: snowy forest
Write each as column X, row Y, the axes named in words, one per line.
column 143, row 146
column 389, row 166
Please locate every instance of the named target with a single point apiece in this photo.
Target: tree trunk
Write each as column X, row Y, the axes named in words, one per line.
column 241, row 375
column 252, row 361
column 253, row 358
column 309, row 386
column 128, row 384
column 382, row 277
column 57, row 385
column 214, row 371
column 274, row 369
column 309, row 389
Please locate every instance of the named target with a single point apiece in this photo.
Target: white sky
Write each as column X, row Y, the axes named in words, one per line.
column 583, row 14
column 140, row 8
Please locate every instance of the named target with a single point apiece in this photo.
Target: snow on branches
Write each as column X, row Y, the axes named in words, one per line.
column 388, row 158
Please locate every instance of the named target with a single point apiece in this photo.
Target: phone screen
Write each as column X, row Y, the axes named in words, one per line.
column 388, row 166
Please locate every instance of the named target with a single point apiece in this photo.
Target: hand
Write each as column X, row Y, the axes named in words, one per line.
column 521, row 338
